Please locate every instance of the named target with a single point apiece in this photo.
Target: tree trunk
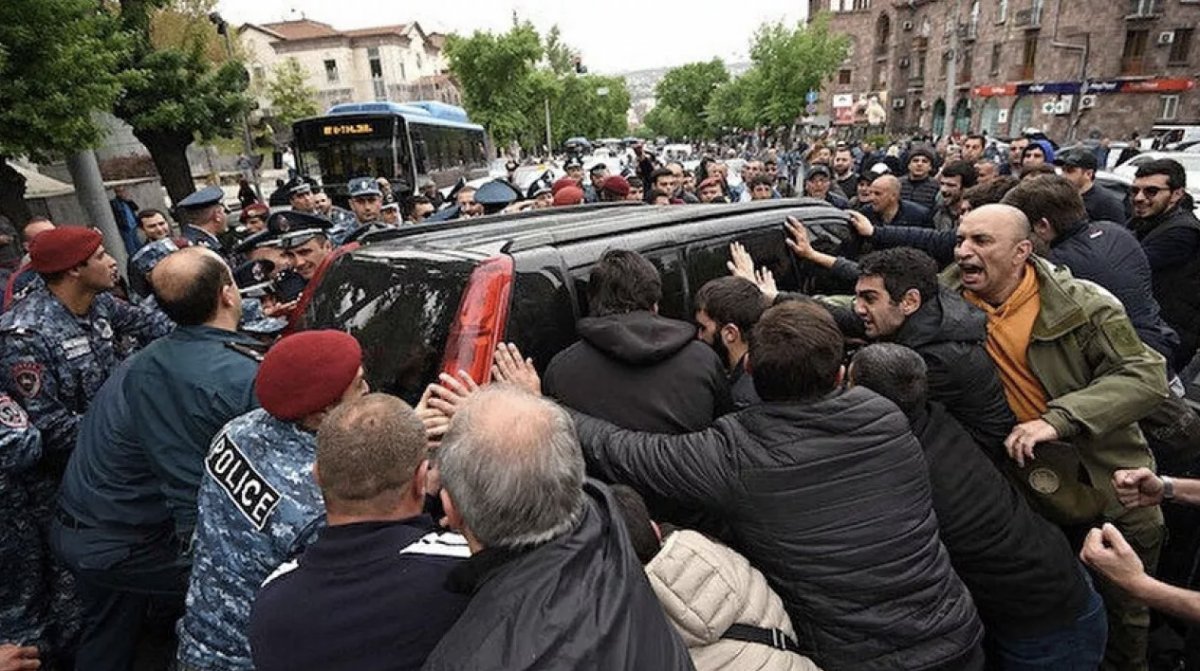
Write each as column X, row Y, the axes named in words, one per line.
column 168, row 149
column 12, row 195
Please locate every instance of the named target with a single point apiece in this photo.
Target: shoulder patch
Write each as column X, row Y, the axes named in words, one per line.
column 11, row 414
column 439, row 544
column 246, row 487
column 1122, row 336
column 27, row 375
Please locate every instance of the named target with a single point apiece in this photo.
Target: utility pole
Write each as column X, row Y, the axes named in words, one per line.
column 951, row 72
column 247, row 141
column 89, row 191
column 549, row 144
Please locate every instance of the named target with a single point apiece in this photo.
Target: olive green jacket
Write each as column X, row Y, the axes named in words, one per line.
column 1100, row 380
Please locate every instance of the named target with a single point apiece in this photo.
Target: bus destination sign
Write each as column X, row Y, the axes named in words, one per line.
column 347, row 129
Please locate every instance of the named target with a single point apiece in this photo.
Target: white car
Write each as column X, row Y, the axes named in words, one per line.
column 1189, row 161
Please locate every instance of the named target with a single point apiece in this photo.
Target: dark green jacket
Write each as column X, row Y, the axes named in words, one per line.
column 1100, row 380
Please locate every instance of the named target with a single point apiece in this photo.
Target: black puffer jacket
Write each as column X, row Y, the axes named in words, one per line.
column 949, row 335
column 1019, row 567
column 581, row 601
column 641, row 371
column 831, row 501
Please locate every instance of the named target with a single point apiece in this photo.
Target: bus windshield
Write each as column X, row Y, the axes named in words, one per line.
column 335, row 150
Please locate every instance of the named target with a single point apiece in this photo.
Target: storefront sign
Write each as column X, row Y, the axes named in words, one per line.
column 1161, row 85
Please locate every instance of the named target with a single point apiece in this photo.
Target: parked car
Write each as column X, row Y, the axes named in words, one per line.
column 1189, row 160
column 440, row 297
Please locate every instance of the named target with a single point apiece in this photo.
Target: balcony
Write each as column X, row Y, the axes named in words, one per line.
column 1144, row 9
column 1029, row 19
column 1133, row 66
column 968, row 32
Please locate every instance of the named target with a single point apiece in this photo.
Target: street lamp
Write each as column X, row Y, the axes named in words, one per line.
column 247, row 142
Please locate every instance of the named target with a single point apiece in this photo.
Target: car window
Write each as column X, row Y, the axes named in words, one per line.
column 707, row 260
column 669, row 262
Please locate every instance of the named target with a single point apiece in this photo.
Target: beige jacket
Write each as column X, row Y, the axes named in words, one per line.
column 704, row 588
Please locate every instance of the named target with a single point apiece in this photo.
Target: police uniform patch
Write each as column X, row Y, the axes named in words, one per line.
column 246, row 488
column 104, row 328
column 1044, row 481
column 1123, row 338
column 28, row 377
column 11, row 414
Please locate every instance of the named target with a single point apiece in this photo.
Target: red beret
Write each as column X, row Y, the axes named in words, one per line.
column 255, row 209
column 571, row 195
column 711, row 181
column 616, row 185
column 63, row 248
column 563, row 183
column 307, row 372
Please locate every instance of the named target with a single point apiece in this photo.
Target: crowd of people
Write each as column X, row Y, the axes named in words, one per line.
column 960, row 465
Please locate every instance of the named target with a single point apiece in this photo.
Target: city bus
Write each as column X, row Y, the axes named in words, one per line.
column 407, row 143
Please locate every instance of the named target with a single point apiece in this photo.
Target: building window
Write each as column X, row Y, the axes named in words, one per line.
column 1002, row 11
column 1029, row 57
column 997, row 51
column 331, row 71
column 1145, row 7
column 259, row 73
column 1181, row 48
column 919, row 73
column 964, row 71
column 946, row 56
column 1133, row 59
column 861, row 5
column 1170, row 108
column 375, row 63
column 843, row 77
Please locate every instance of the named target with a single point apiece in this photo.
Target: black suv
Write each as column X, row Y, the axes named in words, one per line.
column 441, row 296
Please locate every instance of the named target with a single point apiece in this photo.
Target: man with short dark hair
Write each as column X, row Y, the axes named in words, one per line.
column 381, row 561
column 847, row 459
column 955, row 177
column 843, row 172
column 554, row 583
column 662, row 179
column 153, row 224
column 761, row 188
column 257, row 504
column 727, row 308
column 1016, row 152
column 467, row 205
column 1079, row 168
column 1164, row 223
column 918, row 186
column 596, row 176
column 626, row 345
column 1038, row 153
column 184, row 387
column 973, row 147
column 1101, row 251
column 1033, row 597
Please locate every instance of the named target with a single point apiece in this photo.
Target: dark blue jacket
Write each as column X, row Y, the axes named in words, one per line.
column 909, row 214
column 181, row 390
column 386, row 584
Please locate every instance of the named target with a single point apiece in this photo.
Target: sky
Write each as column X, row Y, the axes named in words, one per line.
column 613, row 36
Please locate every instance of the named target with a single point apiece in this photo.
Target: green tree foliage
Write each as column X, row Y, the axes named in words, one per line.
column 789, row 62
column 291, row 96
column 178, row 85
column 683, row 95
column 58, row 64
column 507, row 80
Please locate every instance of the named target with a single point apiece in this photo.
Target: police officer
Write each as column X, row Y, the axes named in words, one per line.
column 144, row 261
column 259, row 502
column 574, row 167
column 256, row 285
column 301, row 196
column 341, row 218
column 202, row 215
column 366, row 200
column 265, row 246
column 597, row 175
column 496, row 195
column 304, row 239
column 183, row 388
column 24, row 619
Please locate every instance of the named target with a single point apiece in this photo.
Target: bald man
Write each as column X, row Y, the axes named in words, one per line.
column 1074, row 371
column 24, row 279
column 183, row 388
column 887, row 208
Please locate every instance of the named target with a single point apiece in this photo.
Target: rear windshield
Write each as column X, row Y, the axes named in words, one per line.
column 400, row 310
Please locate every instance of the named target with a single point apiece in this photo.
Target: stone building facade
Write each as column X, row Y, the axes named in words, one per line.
column 1068, row 67
column 398, row 63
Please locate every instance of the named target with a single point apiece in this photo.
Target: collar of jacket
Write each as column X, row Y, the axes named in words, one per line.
column 1059, row 313
column 469, row 576
column 1071, row 231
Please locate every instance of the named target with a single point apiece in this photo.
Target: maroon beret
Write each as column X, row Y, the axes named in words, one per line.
column 562, row 183
column 255, row 209
column 616, row 185
column 307, row 372
column 571, row 195
column 63, row 248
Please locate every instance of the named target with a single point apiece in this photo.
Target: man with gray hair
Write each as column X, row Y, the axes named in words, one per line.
column 554, row 581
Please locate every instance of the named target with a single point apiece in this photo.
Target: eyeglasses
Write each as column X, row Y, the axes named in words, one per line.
column 1150, row 191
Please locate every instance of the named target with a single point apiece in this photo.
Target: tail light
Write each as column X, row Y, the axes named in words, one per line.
column 479, row 323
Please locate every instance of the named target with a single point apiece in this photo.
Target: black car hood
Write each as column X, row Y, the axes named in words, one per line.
column 638, row 338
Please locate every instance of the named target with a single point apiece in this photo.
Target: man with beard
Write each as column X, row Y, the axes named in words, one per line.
column 727, row 308
column 955, row 178
column 1170, row 234
column 918, row 185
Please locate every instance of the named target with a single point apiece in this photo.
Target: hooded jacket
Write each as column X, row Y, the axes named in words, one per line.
column 830, row 499
column 705, row 588
column 580, row 601
column 949, row 334
column 641, row 371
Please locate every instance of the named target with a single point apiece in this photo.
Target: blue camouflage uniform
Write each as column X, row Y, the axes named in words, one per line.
column 199, row 236
column 181, row 390
column 344, row 223
column 258, row 506
column 23, row 607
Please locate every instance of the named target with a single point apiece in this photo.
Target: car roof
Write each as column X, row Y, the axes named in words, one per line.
column 531, row 229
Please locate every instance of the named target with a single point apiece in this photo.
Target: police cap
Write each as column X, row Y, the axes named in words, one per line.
column 363, row 186
column 293, row 229
column 298, row 187
column 209, row 195
column 253, row 278
column 496, row 193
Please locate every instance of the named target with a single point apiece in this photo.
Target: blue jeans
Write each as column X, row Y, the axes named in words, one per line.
column 1079, row 647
